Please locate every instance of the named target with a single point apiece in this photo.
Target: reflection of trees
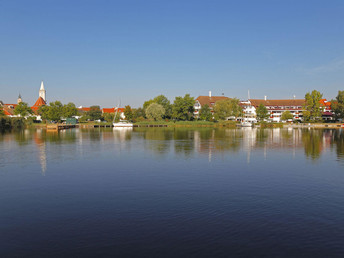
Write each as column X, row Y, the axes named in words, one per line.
column 262, row 135
column 228, row 139
column 159, row 139
column 65, row 136
column 338, row 141
column 312, row 141
column 184, row 141
column 22, row 137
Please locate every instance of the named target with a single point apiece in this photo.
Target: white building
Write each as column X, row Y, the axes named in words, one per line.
column 275, row 107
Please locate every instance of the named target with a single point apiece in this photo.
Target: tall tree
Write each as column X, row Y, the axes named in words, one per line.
column 128, row 113
column 183, row 108
column 163, row 101
column 262, row 112
column 227, row 108
column 95, row 113
column 22, row 109
column 155, row 111
column 313, row 104
column 138, row 113
column 205, row 113
column 69, row 110
column 337, row 105
column 53, row 112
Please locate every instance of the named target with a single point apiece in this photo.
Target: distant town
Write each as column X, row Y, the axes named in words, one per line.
column 206, row 108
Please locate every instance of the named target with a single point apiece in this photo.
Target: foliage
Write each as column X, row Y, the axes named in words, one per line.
column 163, row 101
column 262, row 112
column 11, row 123
column 286, row 115
column 128, row 113
column 69, row 110
column 338, row 105
column 312, row 104
column 53, row 112
column 227, row 108
column 22, row 109
column 205, row 113
column 138, row 113
column 2, row 113
column 155, row 111
column 183, row 108
column 95, row 113
column 109, row 117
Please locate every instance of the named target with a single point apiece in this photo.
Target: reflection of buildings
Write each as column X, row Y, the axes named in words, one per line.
column 41, row 145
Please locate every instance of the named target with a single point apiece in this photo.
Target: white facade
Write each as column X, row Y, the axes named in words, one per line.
column 275, row 111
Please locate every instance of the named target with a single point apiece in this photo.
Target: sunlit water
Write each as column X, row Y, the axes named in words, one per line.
column 157, row 192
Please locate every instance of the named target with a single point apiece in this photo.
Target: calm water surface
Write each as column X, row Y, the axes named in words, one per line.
column 160, row 192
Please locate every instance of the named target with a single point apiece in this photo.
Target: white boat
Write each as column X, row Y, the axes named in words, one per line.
column 246, row 124
column 122, row 123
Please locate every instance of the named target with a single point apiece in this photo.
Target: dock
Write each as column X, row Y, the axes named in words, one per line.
column 57, row 127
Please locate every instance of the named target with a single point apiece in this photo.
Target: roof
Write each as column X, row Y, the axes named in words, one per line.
column 324, row 102
column 8, row 111
column 203, row 100
column 40, row 102
column 85, row 109
column 120, row 110
column 278, row 102
column 108, row 110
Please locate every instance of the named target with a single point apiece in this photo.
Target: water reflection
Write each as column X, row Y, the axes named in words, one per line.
column 185, row 142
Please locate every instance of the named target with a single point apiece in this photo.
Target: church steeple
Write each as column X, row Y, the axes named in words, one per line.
column 19, row 99
column 42, row 92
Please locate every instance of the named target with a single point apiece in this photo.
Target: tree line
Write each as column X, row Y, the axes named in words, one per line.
column 182, row 109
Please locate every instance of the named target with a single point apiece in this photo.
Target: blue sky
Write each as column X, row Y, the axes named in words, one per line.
column 97, row 52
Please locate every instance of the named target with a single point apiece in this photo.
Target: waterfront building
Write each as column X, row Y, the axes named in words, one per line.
column 206, row 100
column 275, row 107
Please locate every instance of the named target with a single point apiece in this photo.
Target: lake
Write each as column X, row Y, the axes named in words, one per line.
column 172, row 192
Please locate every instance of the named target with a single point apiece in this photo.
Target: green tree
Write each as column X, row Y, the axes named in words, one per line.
column 128, row 113
column 95, row 113
column 313, row 104
column 147, row 103
column 108, row 117
column 205, row 113
column 183, row 108
column 69, row 110
column 227, row 108
column 163, row 101
column 22, row 109
column 155, row 111
column 53, row 112
column 286, row 115
column 138, row 113
column 2, row 113
column 337, row 105
column 262, row 112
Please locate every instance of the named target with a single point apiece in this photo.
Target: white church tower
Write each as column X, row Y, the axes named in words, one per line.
column 42, row 92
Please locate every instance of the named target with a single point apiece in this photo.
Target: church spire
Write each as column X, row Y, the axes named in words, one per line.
column 42, row 86
column 42, row 92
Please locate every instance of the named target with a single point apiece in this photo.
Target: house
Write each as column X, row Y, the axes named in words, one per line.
column 206, row 100
column 114, row 110
column 275, row 107
column 327, row 113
